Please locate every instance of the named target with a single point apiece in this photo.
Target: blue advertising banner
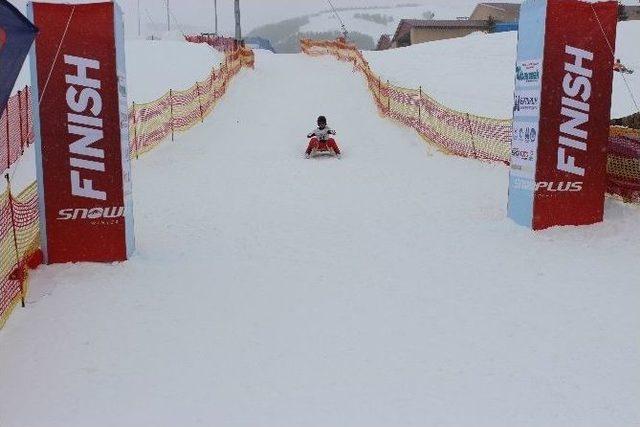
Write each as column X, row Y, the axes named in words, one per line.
column 16, row 36
column 526, row 111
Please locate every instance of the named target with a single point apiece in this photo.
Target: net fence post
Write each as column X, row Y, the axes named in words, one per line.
column 20, row 276
column 473, row 143
column 200, row 103
column 388, row 99
column 20, row 106
column 171, row 113
column 135, row 130
column 420, row 106
column 8, row 134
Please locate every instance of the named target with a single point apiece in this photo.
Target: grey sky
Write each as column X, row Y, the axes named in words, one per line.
column 254, row 12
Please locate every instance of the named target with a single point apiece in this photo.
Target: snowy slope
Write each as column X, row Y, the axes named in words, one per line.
column 383, row 289
column 153, row 67
column 479, row 77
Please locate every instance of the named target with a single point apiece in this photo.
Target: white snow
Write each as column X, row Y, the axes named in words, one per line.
column 383, row 289
column 479, row 77
column 154, row 67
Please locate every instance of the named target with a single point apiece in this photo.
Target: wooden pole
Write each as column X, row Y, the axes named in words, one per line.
column 200, row 103
column 20, row 114
column 135, row 130
column 388, row 99
column 171, row 111
column 15, row 238
column 8, row 136
column 473, row 143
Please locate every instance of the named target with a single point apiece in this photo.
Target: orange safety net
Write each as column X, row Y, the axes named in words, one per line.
column 467, row 135
column 19, row 246
column 15, row 128
column 179, row 111
column 150, row 124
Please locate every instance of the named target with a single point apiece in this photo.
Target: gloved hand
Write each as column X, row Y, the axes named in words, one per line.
column 311, row 135
column 332, row 132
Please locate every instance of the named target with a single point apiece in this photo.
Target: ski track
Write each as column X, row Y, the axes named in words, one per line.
column 383, row 289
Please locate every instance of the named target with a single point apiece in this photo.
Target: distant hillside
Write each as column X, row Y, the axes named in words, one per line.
column 364, row 25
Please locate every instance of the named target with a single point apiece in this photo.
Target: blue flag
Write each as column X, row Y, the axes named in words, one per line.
column 16, row 36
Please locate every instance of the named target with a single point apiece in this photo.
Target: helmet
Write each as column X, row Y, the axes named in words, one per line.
column 322, row 121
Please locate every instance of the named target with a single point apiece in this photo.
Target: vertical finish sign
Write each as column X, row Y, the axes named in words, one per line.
column 81, row 125
column 564, row 74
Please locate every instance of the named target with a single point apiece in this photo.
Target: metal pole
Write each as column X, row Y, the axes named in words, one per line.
column 237, row 13
column 168, row 17
column 139, row 21
column 215, row 6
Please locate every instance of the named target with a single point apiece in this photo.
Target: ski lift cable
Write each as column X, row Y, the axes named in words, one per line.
column 613, row 55
column 55, row 58
column 335, row 12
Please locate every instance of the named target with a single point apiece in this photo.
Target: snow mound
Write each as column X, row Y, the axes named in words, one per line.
column 476, row 73
column 154, row 67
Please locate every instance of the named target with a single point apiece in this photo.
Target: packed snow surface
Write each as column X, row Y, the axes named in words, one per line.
column 383, row 289
column 476, row 73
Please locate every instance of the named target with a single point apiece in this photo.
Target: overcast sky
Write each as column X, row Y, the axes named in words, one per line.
column 254, row 12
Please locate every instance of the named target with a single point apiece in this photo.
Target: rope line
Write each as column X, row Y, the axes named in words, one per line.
column 613, row 55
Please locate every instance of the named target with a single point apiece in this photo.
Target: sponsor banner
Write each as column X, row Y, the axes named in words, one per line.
column 82, row 145
column 529, row 73
column 526, row 111
column 16, row 38
column 524, row 149
column 526, row 103
column 575, row 111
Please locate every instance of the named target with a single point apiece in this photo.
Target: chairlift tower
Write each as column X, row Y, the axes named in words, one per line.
column 168, row 17
column 215, row 14
column 237, row 13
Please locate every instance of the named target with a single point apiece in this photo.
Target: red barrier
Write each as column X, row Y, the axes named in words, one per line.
column 16, row 128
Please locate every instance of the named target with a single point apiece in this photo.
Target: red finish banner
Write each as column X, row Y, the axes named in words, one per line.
column 571, row 174
column 83, row 166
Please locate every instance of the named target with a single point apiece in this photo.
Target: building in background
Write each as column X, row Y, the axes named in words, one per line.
column 384, row 43
column 414, row 31
column 499, row 12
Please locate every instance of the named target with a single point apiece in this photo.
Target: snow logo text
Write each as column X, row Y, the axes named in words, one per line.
column 90, row 213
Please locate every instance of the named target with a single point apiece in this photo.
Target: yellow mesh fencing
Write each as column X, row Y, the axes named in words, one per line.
column 468, row 135
column 149, row 124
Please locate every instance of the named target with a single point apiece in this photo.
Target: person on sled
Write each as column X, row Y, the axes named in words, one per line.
column 619, row 67
column 320, row 138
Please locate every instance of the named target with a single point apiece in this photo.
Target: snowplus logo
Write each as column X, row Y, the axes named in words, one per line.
column 90, row 213
column 551, row 187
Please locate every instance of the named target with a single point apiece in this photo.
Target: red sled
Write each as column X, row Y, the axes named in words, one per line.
column 323, row 148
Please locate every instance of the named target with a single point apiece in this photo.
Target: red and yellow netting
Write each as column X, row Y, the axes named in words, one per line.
column 16, row 128
column 150, row 124
column 467, row 135
column 19, row 242
column 180, row 110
